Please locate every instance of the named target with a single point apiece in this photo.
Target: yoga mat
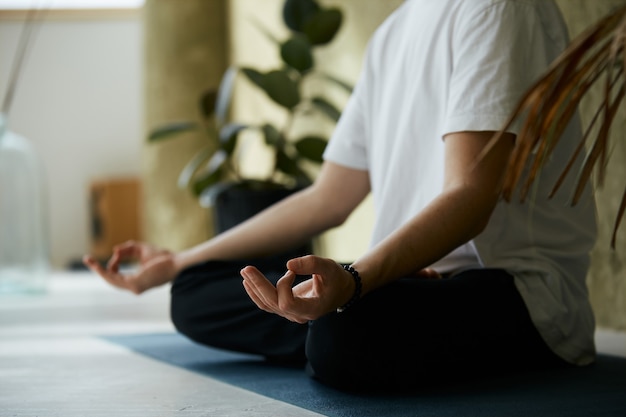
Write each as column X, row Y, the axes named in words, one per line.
column 595, row 391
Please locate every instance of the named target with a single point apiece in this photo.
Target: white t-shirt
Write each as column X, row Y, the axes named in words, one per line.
column 441, row 66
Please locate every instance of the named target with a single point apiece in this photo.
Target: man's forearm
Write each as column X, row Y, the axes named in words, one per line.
column 291, row 222
column 449, row 221
column 456, row 216
column 287, row 224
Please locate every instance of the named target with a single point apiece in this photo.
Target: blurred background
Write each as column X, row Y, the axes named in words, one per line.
column 101, row 74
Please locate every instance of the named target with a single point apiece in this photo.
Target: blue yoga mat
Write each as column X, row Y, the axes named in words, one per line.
column 598, row 390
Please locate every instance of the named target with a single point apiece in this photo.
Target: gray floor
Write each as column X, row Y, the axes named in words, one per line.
column 52, row 362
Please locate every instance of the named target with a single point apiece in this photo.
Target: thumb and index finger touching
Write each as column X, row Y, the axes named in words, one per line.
column 110, row 273
column 311, row 264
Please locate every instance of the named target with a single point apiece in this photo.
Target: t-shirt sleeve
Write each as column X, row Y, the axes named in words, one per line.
column 347, row 146
column 497, row 55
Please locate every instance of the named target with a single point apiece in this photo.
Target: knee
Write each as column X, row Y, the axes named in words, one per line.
column 191, row 319
column 189, row 308
column 335, row 355
column 180, row 313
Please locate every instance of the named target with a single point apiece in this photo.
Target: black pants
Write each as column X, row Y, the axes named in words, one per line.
column 411, row 333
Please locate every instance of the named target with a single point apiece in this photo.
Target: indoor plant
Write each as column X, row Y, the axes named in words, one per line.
column 214, row 173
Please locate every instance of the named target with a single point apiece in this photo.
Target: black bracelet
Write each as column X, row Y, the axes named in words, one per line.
column 357, row 288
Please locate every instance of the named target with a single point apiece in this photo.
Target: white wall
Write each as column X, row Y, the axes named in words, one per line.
column 80, row 101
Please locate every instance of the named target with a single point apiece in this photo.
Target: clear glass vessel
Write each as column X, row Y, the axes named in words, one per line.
column 24, row 248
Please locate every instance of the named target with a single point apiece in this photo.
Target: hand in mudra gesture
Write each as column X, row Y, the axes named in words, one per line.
column 156, row 267
column 328, row 287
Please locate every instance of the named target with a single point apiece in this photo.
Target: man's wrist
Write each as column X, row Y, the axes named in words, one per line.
column 181, row 261
column 358, row 286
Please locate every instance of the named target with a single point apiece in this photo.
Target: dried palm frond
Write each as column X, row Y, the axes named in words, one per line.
column 549, row 105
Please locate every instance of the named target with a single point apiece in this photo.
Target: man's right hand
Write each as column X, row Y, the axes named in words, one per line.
column 156, row 267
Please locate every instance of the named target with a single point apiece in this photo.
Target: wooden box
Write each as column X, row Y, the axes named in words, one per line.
column 115, row 214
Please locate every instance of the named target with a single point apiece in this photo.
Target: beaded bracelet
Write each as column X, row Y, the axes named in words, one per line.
column 357, row 288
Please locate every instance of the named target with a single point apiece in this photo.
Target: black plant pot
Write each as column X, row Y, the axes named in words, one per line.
column 233, row 205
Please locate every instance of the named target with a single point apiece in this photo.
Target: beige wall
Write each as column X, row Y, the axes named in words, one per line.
column 185, row 54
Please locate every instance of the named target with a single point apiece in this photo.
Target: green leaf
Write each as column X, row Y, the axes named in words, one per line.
column 340, row 83
column 277, row 84
column 272, row 136
column 296, row 52
column 169, row 130
column 216, row 162
column 325, row 107
column 224, row 95
column 282, row 89
column 323, row 26
column 297, row 12
column 212, row 173
column 211, row 191
column 287, row 165
column 312, row 148
column 205, row 181
column 229, row 135
column 257, row 78
column 207, row 103
column 186, row 175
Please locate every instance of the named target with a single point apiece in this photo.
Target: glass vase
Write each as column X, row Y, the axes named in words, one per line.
column 24, row 259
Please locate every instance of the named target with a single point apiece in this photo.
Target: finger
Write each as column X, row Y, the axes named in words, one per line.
column 95, row 266
column 253, row 296
column 261, row 304
column 114, row 263
column 112, row 278
column 91, row 263
column 130, row 246
column 284, row 290
column 287, row 302
column 261, row 286
column 311, row 264
column 428, row 273
column 126, row 250
column 293, row 307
